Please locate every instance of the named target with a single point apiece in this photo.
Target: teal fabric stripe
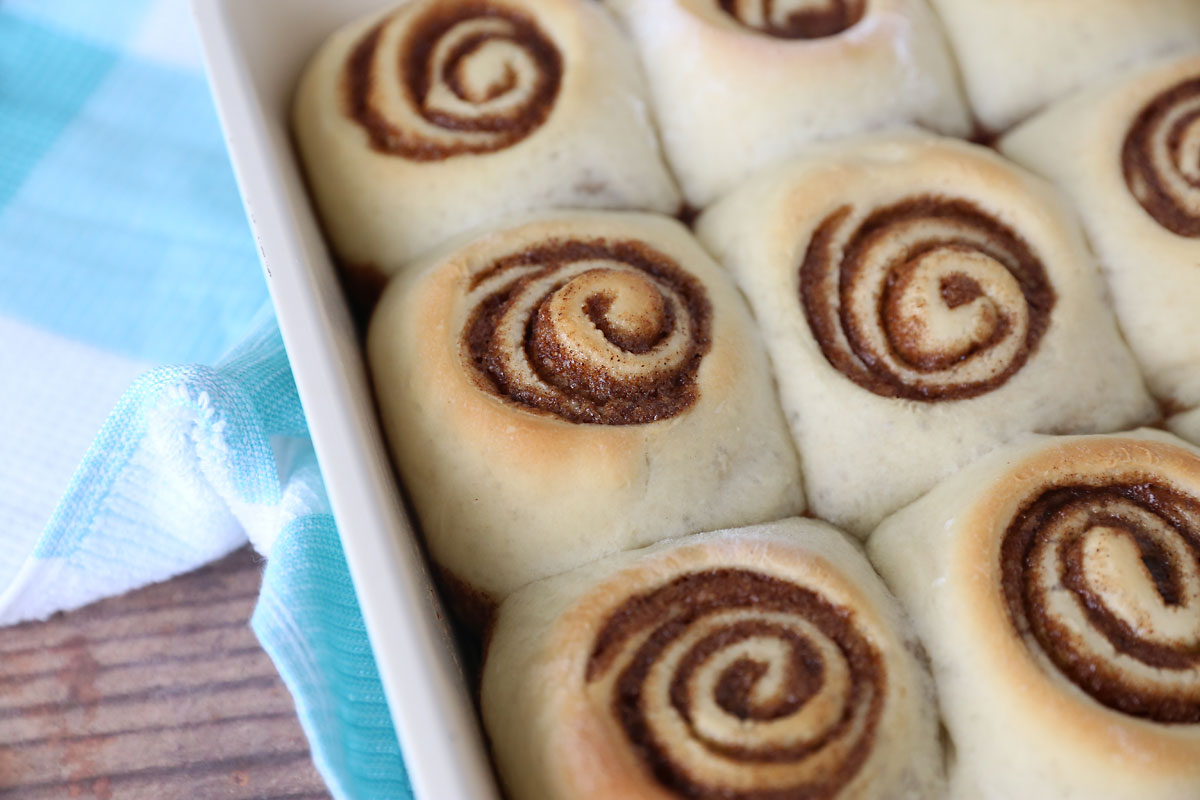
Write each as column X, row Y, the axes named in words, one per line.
column 309, row 622
column 260, row 366
column 133, row 221
column 233, row 421
column 45, row 78
column 106, row 22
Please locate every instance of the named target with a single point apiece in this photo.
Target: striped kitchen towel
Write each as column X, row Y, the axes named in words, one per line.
column 123, row 248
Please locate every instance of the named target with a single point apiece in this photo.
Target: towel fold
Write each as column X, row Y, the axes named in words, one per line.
column 123, row 247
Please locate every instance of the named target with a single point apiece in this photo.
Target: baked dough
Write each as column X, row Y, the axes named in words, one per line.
column 438, row 116
column 1018, row 55
column 1186, row 425
column 741, row 84
column 573, row 386
column 1127, row 154
column 923, row 301
column 759, row 662
column 1056, row 585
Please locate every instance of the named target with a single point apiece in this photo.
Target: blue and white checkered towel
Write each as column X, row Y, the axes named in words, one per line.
column 123, row 247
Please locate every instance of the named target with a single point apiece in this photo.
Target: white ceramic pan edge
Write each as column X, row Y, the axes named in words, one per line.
column 254, row 51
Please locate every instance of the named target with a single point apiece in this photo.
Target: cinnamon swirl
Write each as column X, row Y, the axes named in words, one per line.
column 1056, row 583
column 1018, row 55
column 923, row 301
column 764, row 662
column 438, row 116
column 1128, row 154
column 574, row 386
column 739, row 84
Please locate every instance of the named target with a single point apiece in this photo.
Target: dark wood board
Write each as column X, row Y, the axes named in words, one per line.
column 162, row 693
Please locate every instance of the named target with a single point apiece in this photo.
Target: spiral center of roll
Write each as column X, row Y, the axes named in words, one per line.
column 928, row 299
column 946, row 305
column 471, row 76
column 958, row 289
column 1161, row 158
column 1105, row 581
column 1139, row 579
column 729, row 683
column 480, row 70
column 750, row 670
column 754, row 686
column 796, row 19
column 590, row 331
column 626, row 308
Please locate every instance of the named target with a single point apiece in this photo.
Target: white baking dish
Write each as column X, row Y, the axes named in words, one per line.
column 254, row 50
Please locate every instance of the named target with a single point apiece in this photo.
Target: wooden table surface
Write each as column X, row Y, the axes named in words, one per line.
column 163, row 693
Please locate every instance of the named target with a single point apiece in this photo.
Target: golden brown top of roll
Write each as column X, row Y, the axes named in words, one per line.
column 796, row 19
column 595, row 378
column 1102, row 574
column 466, row 76
column 1095, row 551
column 590, row 330
column 713, row 628
column 1161, row 158
column 1056, row 586
column 765, row 662
column 929, row 298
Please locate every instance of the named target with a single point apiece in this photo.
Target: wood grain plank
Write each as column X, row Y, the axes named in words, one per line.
column 161, row 693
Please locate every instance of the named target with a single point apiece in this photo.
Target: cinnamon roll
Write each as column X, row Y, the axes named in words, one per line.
column 1128, row 154
column 764, row 662
column 1018, row 55
column 739, row 84
column 923, row 301
column 574, row 386
column 438, row 116
column 1056, row 584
